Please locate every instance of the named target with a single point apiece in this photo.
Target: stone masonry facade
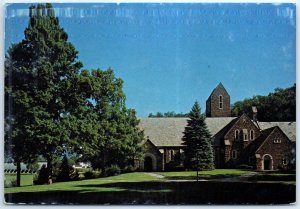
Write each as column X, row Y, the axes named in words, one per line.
column 239, row 142
column 218, row 103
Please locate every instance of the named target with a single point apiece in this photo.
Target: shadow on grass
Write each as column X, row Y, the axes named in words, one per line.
column 210, row 192
column 268, row 177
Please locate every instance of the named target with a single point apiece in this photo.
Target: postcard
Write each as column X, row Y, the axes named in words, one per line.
column 150, row 103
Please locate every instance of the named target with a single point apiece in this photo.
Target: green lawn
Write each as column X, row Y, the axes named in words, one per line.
column 259, row 177
column 26, row 179
column 141, row 188
column 85, row 185
column 215, row 172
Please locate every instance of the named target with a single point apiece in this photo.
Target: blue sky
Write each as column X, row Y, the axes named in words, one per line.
column 170, row 55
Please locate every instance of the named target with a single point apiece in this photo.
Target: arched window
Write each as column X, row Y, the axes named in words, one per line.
column 245, row 134
column 234, row 154
column 221, row 102
column 251, row 135
column 236, row 134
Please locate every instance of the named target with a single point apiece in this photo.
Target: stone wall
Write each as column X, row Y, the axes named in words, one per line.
column 152, row 151
column 242, row 124
column 278, row 146
column 212, row 105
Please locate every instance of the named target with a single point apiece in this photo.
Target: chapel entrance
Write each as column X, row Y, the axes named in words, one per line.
column 267, row 162
column 148, row 165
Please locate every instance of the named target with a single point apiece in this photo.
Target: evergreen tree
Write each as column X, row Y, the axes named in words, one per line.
column 197, row 140
column 64, row 170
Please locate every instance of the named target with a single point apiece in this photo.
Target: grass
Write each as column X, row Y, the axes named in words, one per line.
column 213, row 174
column 209, row 173
column 85, row 185
column 26, row 179
column 141, row 188
column 270, row 177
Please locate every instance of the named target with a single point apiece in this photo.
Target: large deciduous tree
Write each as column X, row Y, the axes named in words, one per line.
column 198, row 149
column 276, row 106
column 39, row 70
column 52, row 105
column 119, row 140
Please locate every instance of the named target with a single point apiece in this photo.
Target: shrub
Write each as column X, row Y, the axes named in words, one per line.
column 244, row 166
column 74, row 175
column 92, row 174
column 64, row 170
column 112, row 170
column 41, row 177
column 129, row 169
column 12, row 183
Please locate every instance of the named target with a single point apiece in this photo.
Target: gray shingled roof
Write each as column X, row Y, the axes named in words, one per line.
column 169, row 131
column 289, row 128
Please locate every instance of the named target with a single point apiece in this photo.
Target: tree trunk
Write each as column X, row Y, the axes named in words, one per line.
column 49, row 170
column 18, row 173
column 103, row 163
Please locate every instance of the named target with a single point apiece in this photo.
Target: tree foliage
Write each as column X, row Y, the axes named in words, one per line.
column 119, row 138
column 171, row 114
column 277, row 106
column 41, row 68
column 198, row 149
column 53, row 105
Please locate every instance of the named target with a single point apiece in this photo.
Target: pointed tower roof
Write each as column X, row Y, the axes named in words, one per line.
column 219, row 86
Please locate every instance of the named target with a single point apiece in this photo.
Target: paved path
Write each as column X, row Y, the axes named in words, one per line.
column 243, row 178
column 155, row 175
column 171, row 180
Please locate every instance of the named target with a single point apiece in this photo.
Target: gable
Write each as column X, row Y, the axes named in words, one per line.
column 150, row 147
column 242, row 123
column 272, row 140
column 220, row 89
column 288, row 128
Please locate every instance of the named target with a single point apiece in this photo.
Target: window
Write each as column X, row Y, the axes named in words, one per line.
column 234, row 154
column 245, row 134
column 251, row 135
column 236, row 134
column 284, row 161
column 277, row 141
column 221, row 102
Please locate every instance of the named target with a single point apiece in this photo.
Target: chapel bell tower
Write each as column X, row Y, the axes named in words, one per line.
column 218, row 103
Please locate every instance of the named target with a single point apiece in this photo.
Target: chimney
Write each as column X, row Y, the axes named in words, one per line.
column 254, row 113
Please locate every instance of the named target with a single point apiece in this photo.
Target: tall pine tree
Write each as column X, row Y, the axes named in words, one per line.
column 197, row 140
